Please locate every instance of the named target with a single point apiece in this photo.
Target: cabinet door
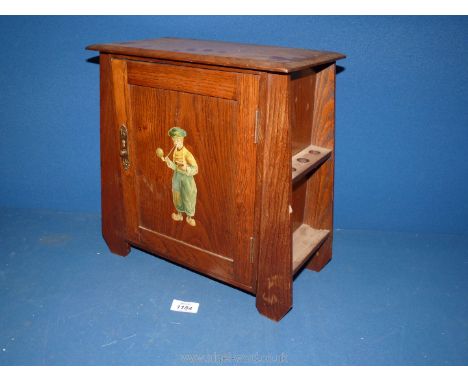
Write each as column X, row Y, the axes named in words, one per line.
column 198, row 212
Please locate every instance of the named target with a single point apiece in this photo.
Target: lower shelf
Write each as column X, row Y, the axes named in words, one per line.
column 306, row 241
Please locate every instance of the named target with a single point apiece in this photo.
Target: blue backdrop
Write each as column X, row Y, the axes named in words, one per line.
column 402, row 109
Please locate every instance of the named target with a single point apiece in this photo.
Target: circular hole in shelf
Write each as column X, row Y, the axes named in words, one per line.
column 303, row 160
column 315, row 152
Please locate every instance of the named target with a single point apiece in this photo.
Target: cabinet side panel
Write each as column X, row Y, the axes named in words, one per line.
column 319, row 202
column 299, row 193
column 302, row 91
column 323, row 124
column 113, row 221
column 274, row 272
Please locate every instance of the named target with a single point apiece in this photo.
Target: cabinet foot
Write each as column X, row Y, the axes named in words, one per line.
column 117, row 246
column 274, row 297
column 322, row 257
column 274, row 312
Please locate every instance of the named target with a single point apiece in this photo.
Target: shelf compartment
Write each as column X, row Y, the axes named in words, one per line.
column 306, row 241
column 308, row 159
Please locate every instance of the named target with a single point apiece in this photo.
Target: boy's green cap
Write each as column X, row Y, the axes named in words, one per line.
column 177, row 132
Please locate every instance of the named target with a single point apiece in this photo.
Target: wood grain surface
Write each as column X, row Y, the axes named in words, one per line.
column 274, row 272
column 306, row 240
column 112, row 200
column 212, row 83
column 307, row 160
column 312, row 120
column 123, row 117
column 301, row 93
column 220, row 135
column 319, row 202
column 260, row 125
column 248, row 56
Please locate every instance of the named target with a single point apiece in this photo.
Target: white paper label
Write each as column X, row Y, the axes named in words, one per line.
column 184, row 306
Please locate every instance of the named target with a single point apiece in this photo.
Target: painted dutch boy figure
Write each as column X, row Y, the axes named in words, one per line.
column 184, row 165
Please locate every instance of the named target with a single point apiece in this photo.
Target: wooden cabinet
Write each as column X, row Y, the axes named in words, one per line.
column 219, row 157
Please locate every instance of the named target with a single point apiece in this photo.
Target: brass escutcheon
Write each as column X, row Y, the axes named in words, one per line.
column 124, row 146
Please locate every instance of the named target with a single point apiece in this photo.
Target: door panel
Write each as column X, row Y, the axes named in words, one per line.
column 219, row 142
column 210, row 123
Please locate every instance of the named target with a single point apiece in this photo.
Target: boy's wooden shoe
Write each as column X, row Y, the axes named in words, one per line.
column 191, row 221
column 177, row 217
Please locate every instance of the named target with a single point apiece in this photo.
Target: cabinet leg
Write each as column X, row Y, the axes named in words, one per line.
column 112, row 200
column 274, row 297
column 116, row 244
column 322, row 257
column 274, row 263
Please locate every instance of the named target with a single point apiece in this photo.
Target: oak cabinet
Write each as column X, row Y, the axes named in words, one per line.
column 219, row 157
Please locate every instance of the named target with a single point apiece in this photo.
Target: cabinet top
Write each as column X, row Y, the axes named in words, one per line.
column 245, row 56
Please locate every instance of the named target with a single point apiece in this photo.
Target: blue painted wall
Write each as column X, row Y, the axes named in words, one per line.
column 402, row 109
